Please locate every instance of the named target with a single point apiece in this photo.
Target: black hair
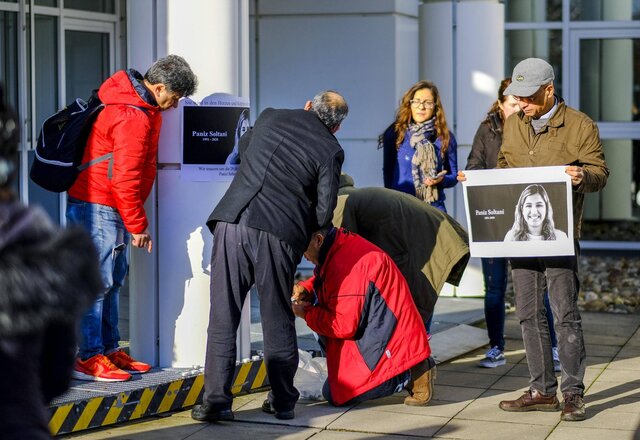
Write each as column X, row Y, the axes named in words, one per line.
column 175, row 73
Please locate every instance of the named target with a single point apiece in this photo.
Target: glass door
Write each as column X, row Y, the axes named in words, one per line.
column 604, row 83
column 89, row 56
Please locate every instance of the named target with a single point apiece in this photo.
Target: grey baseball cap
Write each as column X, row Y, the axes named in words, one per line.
column 528, row 76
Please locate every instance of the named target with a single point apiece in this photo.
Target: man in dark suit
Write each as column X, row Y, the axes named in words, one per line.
column 286, row 188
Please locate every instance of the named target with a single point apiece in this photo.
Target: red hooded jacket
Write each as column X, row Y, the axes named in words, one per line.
column 373, row 329
column 132, row 135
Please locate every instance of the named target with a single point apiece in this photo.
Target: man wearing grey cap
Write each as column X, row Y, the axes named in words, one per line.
column 547, row 132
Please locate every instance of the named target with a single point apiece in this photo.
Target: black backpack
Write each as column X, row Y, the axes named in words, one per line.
column 61, row 144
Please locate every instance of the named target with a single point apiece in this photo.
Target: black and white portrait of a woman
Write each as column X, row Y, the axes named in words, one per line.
column 533, row 218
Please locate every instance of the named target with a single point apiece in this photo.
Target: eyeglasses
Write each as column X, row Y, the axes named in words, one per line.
column 530, row 99
column 426, row 104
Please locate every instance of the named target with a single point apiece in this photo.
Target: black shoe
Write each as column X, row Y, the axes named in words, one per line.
column 205, row 413
column 280, row 415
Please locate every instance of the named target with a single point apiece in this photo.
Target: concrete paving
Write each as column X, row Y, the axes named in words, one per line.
column 465, row 404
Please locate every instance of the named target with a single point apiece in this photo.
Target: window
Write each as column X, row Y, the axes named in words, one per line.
column 106, row 6
column 610, row 79
column 46, row 73
column 518, row 11
column 600, row 10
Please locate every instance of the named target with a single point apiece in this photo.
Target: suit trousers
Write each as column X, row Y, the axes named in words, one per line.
column 243, row 256
column 531, row 278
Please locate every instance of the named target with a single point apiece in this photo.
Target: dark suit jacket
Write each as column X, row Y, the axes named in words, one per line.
column 288, row 177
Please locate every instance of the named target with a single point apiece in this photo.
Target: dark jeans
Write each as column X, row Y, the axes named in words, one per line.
column 495, row 285
column 393, row 385
column 531, row 278
column 241, row 257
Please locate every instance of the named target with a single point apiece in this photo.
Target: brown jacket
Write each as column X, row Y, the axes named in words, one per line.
column 569, row 138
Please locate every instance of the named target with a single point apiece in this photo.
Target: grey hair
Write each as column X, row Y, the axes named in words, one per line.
column 330, row 107
column 174, row 72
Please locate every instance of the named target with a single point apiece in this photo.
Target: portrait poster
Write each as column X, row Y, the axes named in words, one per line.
column 519, row 212
column 210, row 134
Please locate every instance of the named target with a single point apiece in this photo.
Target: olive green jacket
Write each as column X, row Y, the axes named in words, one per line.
column 428, row 246
column 569, row 138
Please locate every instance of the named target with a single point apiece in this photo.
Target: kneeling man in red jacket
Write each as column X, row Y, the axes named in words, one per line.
column 360, row 305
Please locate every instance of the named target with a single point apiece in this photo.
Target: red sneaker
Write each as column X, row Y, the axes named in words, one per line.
column 98, row 368
column 125, row 362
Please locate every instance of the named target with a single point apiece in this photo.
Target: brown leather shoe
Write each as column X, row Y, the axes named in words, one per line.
column 420, row 386
column 531, row 400
column 573, row 409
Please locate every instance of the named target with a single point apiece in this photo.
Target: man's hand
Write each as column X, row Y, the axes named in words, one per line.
column 461, row 176
column 300, row 294
column 576, row 173
column 142, row 240
column 299, row 308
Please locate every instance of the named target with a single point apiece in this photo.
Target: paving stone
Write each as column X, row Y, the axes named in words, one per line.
column 576, row 430
column 482, row 430
column 389, row 423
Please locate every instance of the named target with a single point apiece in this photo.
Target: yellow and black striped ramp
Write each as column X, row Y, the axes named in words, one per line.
column 96, row 404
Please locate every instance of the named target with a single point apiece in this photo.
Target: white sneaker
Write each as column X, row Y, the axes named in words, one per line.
column 493, row 358
column 556, row 360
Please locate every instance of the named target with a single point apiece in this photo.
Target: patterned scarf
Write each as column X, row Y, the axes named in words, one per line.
column 424, row 161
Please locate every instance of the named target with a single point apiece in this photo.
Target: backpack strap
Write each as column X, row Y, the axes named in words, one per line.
column 102, row 158
column 108, row 156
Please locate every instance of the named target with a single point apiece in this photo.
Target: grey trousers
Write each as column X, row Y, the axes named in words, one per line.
column 241, row 257
column 531, row 277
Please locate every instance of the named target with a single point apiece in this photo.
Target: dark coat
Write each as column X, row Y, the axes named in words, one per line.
column 428, row 246
column 288, row 177
column 48, row 278
column 486, row 144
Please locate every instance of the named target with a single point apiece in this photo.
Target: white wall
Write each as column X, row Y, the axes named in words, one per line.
column 462, row 52
column 365, row 49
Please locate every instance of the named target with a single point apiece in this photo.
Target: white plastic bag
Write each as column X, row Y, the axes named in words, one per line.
column 310, row 376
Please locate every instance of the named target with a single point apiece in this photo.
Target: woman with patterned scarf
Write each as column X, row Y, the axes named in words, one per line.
column 420, row 153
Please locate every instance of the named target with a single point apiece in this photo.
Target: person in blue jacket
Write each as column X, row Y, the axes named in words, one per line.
column 420, row 153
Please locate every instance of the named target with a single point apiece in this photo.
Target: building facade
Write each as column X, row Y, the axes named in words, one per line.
column 278, row 53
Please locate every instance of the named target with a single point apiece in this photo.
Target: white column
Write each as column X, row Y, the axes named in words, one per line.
column 462, row 53
column 170, row 313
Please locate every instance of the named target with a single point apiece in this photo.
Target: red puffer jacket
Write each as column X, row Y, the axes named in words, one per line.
column 374, row 331
column 132, row 135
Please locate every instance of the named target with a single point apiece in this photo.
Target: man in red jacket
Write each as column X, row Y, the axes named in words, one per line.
column 108, row 199
column 374, row 337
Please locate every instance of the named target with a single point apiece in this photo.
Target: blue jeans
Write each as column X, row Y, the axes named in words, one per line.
column 99, row 326
column 495, row 285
